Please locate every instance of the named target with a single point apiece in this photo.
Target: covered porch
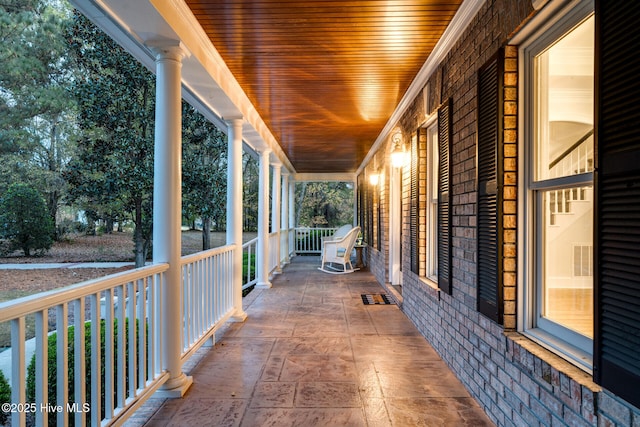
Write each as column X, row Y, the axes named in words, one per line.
column 311, row 353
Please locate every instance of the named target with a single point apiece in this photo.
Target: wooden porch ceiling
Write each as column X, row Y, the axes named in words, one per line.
column 325, row 75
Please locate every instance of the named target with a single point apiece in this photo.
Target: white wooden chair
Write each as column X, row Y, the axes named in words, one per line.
column 338, row 252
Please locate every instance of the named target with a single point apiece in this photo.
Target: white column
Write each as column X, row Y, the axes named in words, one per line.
column 234, row 211
column 292, row 215
column 275, row 214
column 284, row 216
column 167, row 209
column 355, row 203
column 263, row 222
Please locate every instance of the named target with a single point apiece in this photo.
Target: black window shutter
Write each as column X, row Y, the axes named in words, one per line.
column 364, row 202
column 444, row 198
column 370, row 216
column 490, row 174
column 360, row 201
column 617, row 186
column 379, row 224
column 413, row 219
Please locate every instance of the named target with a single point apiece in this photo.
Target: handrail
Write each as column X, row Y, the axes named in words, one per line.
column 569, row 150
column 308, row 240
column 24, row 306
column 198, row 256
column 250, row 248
column 95, row 307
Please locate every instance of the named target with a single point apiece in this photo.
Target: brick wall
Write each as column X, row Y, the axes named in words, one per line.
column 517, row 382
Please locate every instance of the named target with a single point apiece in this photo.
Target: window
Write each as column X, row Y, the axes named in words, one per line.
column 558, row 201
column 431, row 211
column 414, row 207
column 424, row 201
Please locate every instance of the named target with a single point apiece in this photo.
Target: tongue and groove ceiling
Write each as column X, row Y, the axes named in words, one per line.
column 325, row 76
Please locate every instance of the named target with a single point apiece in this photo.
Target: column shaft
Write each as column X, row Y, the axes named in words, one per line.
column 275, row 215
column 284, row 218
column 234, row 211
column 263, row 222
column 167, row 209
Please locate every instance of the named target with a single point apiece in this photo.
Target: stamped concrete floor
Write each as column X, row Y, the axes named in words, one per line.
column 312, row 354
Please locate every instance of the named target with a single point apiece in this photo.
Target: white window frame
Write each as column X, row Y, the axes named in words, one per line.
column 432, row 165
column 553, row 22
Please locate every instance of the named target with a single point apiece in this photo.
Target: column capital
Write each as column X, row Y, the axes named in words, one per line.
column 168, row 49
column 230, row 121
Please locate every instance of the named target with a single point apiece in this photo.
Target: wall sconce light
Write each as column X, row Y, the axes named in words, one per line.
column 398, row 155
column 374, row 179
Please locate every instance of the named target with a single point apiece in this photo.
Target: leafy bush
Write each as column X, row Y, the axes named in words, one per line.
column 5, row 397
column 52, row 367
column 24, row 220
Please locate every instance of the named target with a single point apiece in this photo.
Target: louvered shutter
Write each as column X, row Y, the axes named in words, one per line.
column 360, row 201
column 379, row 223
column 617, row 329
column 489, row 272
column 413, row 218
column 444, row 197
column 370, row 217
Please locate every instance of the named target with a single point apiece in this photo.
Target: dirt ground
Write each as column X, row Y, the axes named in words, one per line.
column 116, row 247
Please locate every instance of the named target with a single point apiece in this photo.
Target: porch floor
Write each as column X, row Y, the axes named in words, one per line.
column 312, row 354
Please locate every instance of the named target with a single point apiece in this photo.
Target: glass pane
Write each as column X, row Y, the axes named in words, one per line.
column 564, row 118
column 432, row 203
column 568, row 258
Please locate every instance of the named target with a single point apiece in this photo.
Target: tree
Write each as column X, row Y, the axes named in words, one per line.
column 24, row 220
column 251, row 179
column 112, row 172
column 204, row 172
column 37, row 115
column 324, row 204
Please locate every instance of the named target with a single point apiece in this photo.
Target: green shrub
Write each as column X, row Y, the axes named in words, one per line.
column 5, row 397
column 52, row 367
column 24, row 220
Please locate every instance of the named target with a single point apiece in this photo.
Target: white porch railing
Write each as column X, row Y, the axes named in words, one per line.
column 250, row 253
column 207, row 285
column 309, row 240
column 284, row 246
column 273, row 253
column 114, row 369
column 122, row 366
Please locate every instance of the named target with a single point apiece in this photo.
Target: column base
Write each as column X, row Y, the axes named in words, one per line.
column 263, row 285
column 175, row 388
column 239, row 317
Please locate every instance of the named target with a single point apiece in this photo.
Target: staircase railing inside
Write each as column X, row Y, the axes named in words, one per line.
column 576, row 159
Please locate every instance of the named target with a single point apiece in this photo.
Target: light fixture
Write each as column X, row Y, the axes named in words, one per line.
column 398, row 155
column 374, row 179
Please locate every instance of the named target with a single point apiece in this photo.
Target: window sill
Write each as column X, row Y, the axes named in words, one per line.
column 434, row 290
column 574, row 372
